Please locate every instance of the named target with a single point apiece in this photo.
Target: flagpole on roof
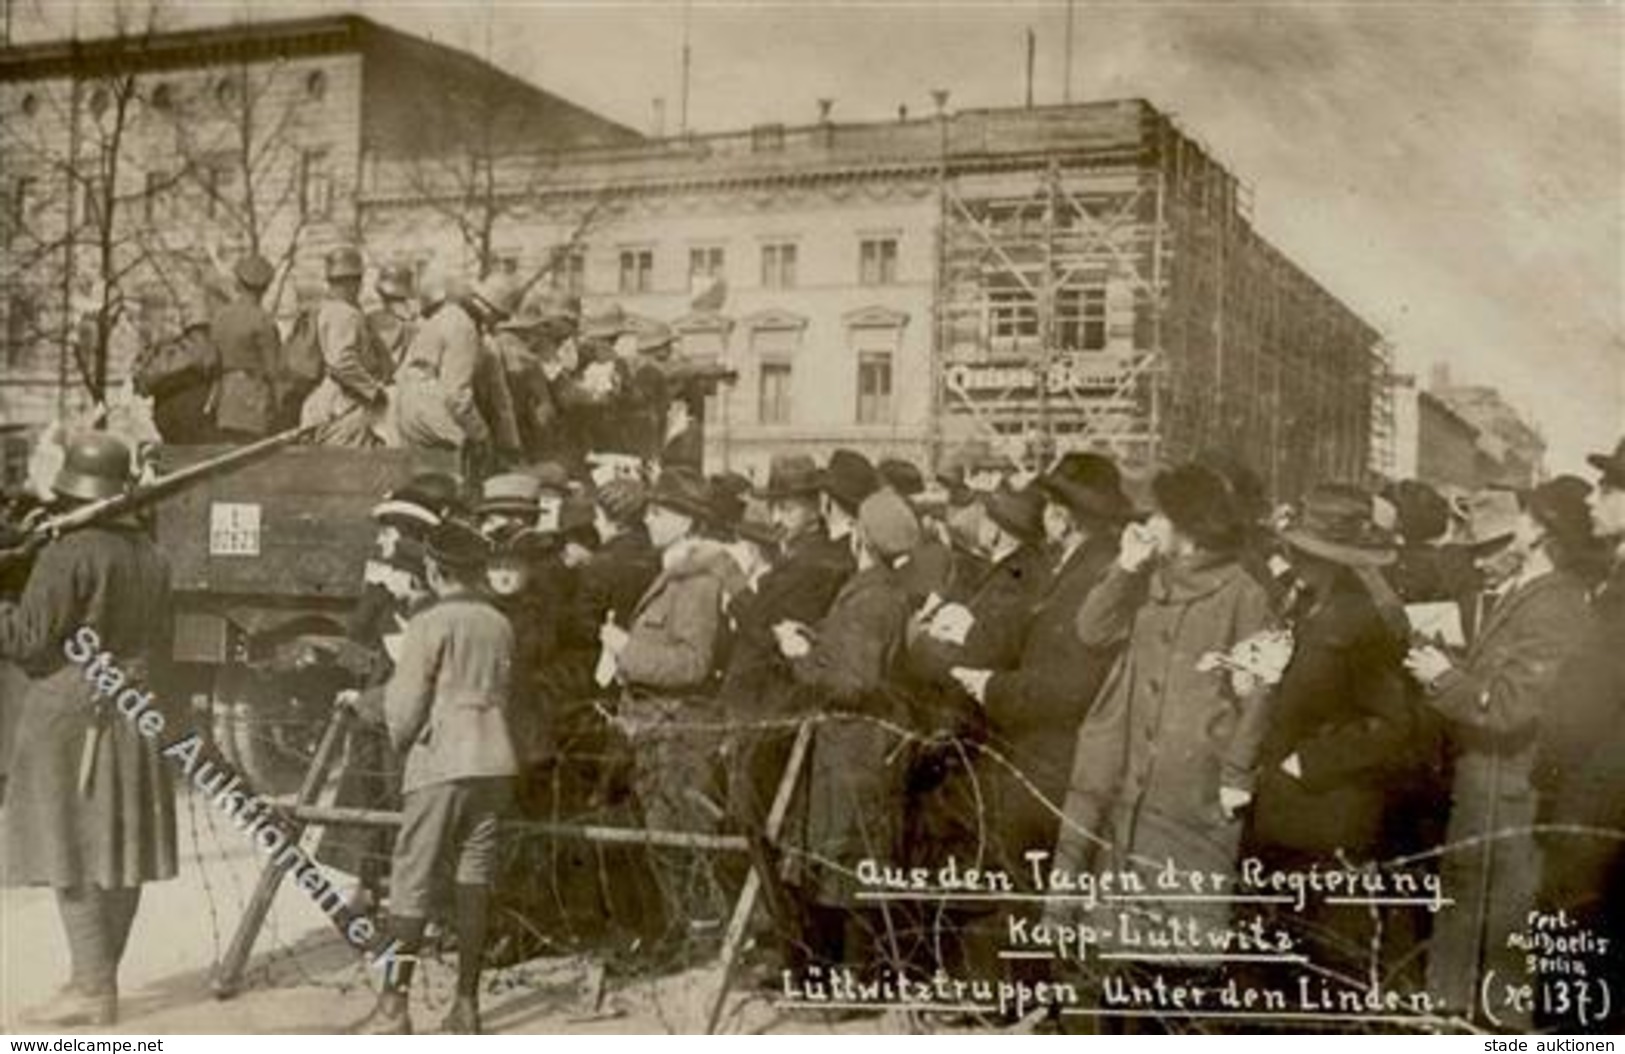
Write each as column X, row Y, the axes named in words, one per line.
column 682, row 128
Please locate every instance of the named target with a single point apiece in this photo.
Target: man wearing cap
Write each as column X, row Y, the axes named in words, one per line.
column 354, row 371
column 245, row 337
column 1580, row 763
column 592, row 394
column 90, row 811
column 519, row 344
column 798, row 587
column 393, row 322
column 446, row 710
column 648, row 393
column 666, row 661
column 1495, row 700
column 180, row 376
column 508, row 502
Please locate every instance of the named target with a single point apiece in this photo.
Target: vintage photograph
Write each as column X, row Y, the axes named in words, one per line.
column 796, row 516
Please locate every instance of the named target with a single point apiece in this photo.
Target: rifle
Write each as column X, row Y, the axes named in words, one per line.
column 157, row 490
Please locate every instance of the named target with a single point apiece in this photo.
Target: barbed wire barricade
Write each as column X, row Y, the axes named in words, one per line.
column 585, row 879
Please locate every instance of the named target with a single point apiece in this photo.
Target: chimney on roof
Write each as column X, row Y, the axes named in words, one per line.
column 902, row 113
column 940, row 97
column 824, row 107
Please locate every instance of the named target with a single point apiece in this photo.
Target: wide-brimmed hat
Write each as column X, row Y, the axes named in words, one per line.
column 1492, row 519
column 457, row 545
column 1560, row 506
column 254, row 271
column 1198, row 501
column 849, row 478
column 887, row 524
column 496, row 296
column 683, row 490
column 1612, row 466
column 728, row 491
column 754, row 526
column 790, row 476
column 609, row 324
column 1089, row 485
column 551, row 478
column 1423, row 513
column 1335, row 522
column 1020, row 512
column 424, row 501
column 901, row 475
column 656, row 339
column 511, row 492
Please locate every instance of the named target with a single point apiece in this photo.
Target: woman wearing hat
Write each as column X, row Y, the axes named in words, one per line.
column 1493, row 701
column 90, row 811
column 1166, row 757
column 854, row 801
column 1342, row 737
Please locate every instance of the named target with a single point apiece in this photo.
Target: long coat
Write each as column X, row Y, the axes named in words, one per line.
column 1342, row 707
column 1164, row 735
column 436, row 382
column 758, row 685
column 853, row 795
column 250, row 352
column 113, row 580
column 1034, row 711
column 1494, row 703
column 181, row 376
column 354, row 373
column 1580, row 778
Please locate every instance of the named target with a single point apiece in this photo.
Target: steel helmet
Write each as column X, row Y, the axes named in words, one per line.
column 96, row 466
column 344, row 262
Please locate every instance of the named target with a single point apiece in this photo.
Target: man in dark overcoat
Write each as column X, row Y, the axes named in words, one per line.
column 90, row 808
column 245, row 337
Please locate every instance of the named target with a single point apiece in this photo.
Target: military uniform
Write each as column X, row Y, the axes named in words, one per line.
column 250, row 350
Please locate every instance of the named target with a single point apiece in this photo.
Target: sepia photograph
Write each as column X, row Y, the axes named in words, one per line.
column 786, row 517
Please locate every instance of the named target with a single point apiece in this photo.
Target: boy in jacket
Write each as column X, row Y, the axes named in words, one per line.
column 445, row 708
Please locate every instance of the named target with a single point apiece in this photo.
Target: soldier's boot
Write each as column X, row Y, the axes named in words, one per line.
column 463, row 1019
column 73, row 1006
column 389, row 1017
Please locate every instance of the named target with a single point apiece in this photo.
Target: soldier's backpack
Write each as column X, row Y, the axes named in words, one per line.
column 302, row 366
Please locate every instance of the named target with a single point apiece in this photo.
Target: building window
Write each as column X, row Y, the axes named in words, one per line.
column 773, row 394
column 570, row 273
column 225, row 91
column 315, row 185
column 214, row 177
column 316, row 85
column 1012, row 314
column 30, row 104
column 637, row 270
column 90, row 204
column 874, row 388
column 779, row 265
column 1080, row 319
column 163, row 97
column 99, row 102
column 704, row 264
column 877, row 261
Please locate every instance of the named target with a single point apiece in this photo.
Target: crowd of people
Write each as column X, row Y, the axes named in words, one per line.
column 501, row 372
column 987, row 661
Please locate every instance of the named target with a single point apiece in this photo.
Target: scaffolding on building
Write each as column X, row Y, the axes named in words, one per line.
column 1121, row 301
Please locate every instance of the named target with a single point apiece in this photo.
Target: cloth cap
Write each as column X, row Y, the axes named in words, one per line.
column 888, row 525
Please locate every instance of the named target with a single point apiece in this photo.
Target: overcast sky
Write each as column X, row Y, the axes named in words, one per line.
column 1452, row 171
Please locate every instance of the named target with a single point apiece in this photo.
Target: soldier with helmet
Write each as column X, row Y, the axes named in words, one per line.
column 394, row 322
column 246, row 338
column 354, row 371
column 90, row 809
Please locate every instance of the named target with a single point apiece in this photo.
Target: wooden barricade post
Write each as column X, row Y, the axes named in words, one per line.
column 762, row 880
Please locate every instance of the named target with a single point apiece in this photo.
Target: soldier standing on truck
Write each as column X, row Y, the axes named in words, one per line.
column 353, row 371
column 246, row 339
column 393, row 323
column 438, row 405
column 179, row 376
